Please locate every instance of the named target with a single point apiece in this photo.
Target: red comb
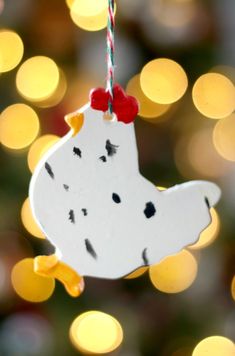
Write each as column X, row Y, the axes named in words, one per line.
column 124, row 106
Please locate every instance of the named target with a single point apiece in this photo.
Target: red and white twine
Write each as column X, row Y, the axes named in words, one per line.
column 110, row 52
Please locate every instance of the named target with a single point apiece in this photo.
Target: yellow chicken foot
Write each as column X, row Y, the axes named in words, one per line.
column 51, row 266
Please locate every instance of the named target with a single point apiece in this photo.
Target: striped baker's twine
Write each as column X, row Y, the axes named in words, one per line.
column 110, row 53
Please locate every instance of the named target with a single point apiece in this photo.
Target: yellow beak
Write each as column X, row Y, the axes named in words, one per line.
column 75, row 121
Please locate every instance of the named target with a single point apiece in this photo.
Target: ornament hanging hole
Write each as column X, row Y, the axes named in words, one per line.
column 109, row 117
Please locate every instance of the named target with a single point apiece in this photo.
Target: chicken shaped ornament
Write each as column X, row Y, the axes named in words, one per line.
column 103, row 217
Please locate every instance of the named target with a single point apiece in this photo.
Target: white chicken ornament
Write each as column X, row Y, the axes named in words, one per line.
column 103, row 217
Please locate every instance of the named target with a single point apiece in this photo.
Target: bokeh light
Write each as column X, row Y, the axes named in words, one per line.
column 225, row 70
column 208, row 163
column 2, row 4
column 224, row 137
column 216, row 346
column 233, row 288
column 163, row 81
column 209, row 235
column 69, row 3
column 13, row 247
column 196, row 156
column 214, row 95
column 56, row 97
column 88, row 8
column 26, row 333
column 39, row 148
column 175, row 14
column 173, row 23
column 29, row 285
column 29, row 222
column 148, row 108
column 11, row 50
column 82, row 85
column 137, row 273
column 96, row 332
column 37, row 78
column 19, row 126
column 90, row 15
column 175, row 273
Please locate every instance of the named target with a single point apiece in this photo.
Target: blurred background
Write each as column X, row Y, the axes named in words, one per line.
column 51, row 54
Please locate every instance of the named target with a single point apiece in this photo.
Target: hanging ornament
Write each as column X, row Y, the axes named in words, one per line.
column 87, row 195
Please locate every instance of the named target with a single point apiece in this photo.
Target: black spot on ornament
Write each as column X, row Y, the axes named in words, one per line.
column 110, row 148
column 72, row 216
column 116, row 198
column 49, row 170
column 103, row 159
column 90, row 249
column 149, row 210
column 84, row 212
column 145, row 258
column 77, row 152
column 207, row 203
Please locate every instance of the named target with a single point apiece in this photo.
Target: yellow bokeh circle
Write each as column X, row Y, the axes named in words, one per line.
column 163, row 81
column 37, row 78
column 69, row 3
column 29, row 285
column 11, row 50
column 29, row 222
column 137, row 273
column 92, row 22
column 39, row 148
column 215, row 346
column 19, row 126
column 200, row 155
column 214, row 95
column 175, row 273
column 209, row 235
column 96, row 332
column 224, row 137
column 148, row 108
column 87, row 8
column 57, row 96
column 233, row 288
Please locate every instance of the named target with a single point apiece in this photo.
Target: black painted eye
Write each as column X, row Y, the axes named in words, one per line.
column 116, row 198
column 150, row 210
